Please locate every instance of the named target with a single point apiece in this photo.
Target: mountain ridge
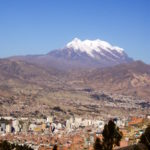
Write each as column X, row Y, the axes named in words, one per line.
column 67, row 78
column 27, row 88
column 81, row 54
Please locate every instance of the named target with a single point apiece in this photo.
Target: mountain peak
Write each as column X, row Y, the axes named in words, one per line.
column 90, row 53
column 91, row 46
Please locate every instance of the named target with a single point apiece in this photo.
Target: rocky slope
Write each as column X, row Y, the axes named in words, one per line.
column 129, row 79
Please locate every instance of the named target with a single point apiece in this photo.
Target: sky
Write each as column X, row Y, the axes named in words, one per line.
column 39, row 26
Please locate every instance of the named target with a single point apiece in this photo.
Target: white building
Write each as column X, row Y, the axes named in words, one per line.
column 8, row 128
column 77, row 122
column 16, row 126
column 59, row 126
column 40, row 121
column 50, row 119
column 2, row 128
column 69, row 124
column 32, row 127
column 7, row 118
column 120, row 123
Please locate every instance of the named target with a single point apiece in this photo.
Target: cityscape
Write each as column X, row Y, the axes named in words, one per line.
column 74, row 133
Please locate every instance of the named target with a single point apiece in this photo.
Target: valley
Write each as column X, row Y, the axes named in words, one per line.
column 70, row 81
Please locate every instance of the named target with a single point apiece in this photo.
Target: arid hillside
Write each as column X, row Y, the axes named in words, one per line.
column 130, row 79
column 31, row 89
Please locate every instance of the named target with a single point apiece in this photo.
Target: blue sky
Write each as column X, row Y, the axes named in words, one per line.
column 38, row 26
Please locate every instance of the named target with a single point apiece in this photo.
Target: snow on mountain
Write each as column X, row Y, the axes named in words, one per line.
column 81, row 54
column 88, row 53
column 90, row 47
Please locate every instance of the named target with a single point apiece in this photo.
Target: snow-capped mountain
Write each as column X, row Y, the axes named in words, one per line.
column 96, row 46
column 92, row 53
column 81, row 54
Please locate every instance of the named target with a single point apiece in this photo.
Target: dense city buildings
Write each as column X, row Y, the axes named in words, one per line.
column 73, row 133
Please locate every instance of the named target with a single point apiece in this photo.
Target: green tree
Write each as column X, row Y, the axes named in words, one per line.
column 24, row 147
column 145, row 138
column 55, row 147
column 5, row 145
column 98, row 144
column 111, row 136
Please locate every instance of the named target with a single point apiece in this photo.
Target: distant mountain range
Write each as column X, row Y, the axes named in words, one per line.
column 96, row 65
column 81, row 54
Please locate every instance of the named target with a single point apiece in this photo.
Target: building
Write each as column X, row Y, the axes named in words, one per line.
column 16, row 126
column 8, row 128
